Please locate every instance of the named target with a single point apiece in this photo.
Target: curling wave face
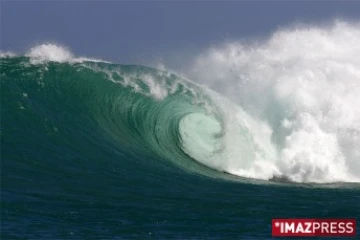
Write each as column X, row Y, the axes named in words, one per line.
column 286, row 107
column 139, row 109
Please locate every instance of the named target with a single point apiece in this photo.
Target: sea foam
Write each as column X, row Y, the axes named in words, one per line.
column 303, row 83
column 55, row 53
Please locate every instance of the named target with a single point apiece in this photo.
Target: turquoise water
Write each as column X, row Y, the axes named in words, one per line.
column 94, row 150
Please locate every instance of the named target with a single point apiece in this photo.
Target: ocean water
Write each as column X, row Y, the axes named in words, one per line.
column 250, row 132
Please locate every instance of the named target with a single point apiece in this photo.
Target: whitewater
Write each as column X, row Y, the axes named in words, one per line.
column 283, row 107
column 303, row 85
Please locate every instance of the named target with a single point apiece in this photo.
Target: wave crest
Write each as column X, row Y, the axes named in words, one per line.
column 304, row 83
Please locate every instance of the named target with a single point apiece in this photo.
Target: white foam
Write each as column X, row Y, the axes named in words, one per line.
column 49, row 52
column 54, row 53
column 304, row 84
column 157, row 89
column 7, row 54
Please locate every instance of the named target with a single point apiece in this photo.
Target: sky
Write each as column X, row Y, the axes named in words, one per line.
column 145, row 31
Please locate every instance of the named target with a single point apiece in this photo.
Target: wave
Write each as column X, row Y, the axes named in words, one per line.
column 284, row 108
column 304, row 84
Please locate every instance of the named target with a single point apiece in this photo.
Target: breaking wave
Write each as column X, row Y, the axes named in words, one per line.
column 285, row 107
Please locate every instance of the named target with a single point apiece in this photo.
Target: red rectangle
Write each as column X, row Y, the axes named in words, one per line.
column 314, row 227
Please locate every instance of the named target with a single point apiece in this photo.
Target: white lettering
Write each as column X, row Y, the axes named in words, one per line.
column 333, row 227
column 316, row 226
column 307, row 227
column 299, row 228
column 341, row 227
column 349, row 227
column 325, row 227
column 289, row 227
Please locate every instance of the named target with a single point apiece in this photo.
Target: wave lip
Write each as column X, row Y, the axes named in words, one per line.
column 55, row 53
column 7, row 54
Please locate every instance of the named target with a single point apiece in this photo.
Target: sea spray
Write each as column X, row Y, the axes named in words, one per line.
column 304, row 83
